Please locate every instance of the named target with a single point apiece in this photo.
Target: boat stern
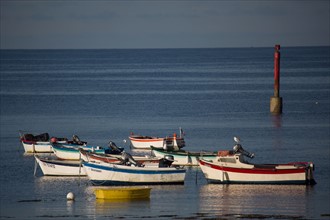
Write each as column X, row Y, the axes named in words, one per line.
column 310, row 167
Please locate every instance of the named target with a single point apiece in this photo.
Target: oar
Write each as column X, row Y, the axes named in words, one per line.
column 20, row 139
column 197, row 158
column 35, row 166
column 80, row 162
column 189, row 159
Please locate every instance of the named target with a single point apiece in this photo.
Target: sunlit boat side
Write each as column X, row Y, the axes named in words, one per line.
column 114, row 174
column 42, row 143
column 169, row 142
column 115, row 193
column 232, row 167
column 55, row 167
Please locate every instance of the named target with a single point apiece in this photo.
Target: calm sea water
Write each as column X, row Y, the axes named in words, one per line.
column 213, row 94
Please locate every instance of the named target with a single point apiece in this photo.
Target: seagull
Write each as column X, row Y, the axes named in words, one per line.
column 237, row 140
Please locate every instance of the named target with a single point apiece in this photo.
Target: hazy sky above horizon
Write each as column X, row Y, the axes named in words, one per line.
column 83, row 24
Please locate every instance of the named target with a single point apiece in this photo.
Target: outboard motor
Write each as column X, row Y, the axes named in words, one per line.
column 114, row 148
column 166, row 161
column 75, row 139
column 239, row 149
column 128, row 159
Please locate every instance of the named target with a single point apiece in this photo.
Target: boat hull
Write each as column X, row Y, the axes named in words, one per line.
column 183, row 158
column 43, row 146
column 123, row 193
column 285, row 174
column 37, row 147
column 141, row 143
column 112, row 174
column 145, row 142
column 60, row 168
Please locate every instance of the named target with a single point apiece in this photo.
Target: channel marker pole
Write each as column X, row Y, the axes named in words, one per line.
column 276, row 100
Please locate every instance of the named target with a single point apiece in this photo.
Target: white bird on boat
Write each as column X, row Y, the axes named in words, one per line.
column 237, row 140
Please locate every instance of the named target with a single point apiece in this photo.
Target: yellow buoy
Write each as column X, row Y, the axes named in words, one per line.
column 123, row 193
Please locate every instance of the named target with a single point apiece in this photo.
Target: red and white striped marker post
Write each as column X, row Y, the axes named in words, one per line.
column 276, row 100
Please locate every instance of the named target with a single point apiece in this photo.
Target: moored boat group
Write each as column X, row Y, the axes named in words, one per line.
column 112, row 165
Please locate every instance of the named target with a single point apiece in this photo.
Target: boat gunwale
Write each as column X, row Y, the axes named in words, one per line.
column 253, row 170
column 125, row 183
column 71, row 163
column 134, row 170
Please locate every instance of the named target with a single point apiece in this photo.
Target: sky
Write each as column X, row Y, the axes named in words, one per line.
column 101, row 24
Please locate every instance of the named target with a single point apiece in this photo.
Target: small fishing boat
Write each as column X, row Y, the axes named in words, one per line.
column 67, row 152
column 170, row 142
column 184, row 158
column 131, row 173
column 232, row 167
column 123, row 193
column 36, row 143
column 56, row 167
column 114, row 158
column 42, row 143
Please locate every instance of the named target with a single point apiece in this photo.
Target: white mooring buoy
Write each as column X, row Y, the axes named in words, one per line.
column 70, row 196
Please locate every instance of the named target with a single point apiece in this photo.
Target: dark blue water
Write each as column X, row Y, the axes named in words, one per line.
column 213, row 94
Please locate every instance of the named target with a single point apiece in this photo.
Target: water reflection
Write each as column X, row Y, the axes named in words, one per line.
column 45, row 181
column 115, row 207
column 277, row 121
column 70, row 207
column 249, row 199
column 120, row 207
column 56, row 187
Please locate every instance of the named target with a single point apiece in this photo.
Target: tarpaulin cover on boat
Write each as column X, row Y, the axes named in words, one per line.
column 40, row 137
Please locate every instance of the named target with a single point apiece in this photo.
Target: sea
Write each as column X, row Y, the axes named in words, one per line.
column 212, row 94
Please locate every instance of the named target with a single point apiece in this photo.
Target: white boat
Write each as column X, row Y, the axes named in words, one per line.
column 37, row 147
column 55, row 167
column 169, row 142
column 42, row 143
column 36, row 143
column 232, row 167
column 101, row 173
column 184, row 158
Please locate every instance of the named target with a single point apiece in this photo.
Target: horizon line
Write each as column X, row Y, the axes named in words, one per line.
column 162, row 48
